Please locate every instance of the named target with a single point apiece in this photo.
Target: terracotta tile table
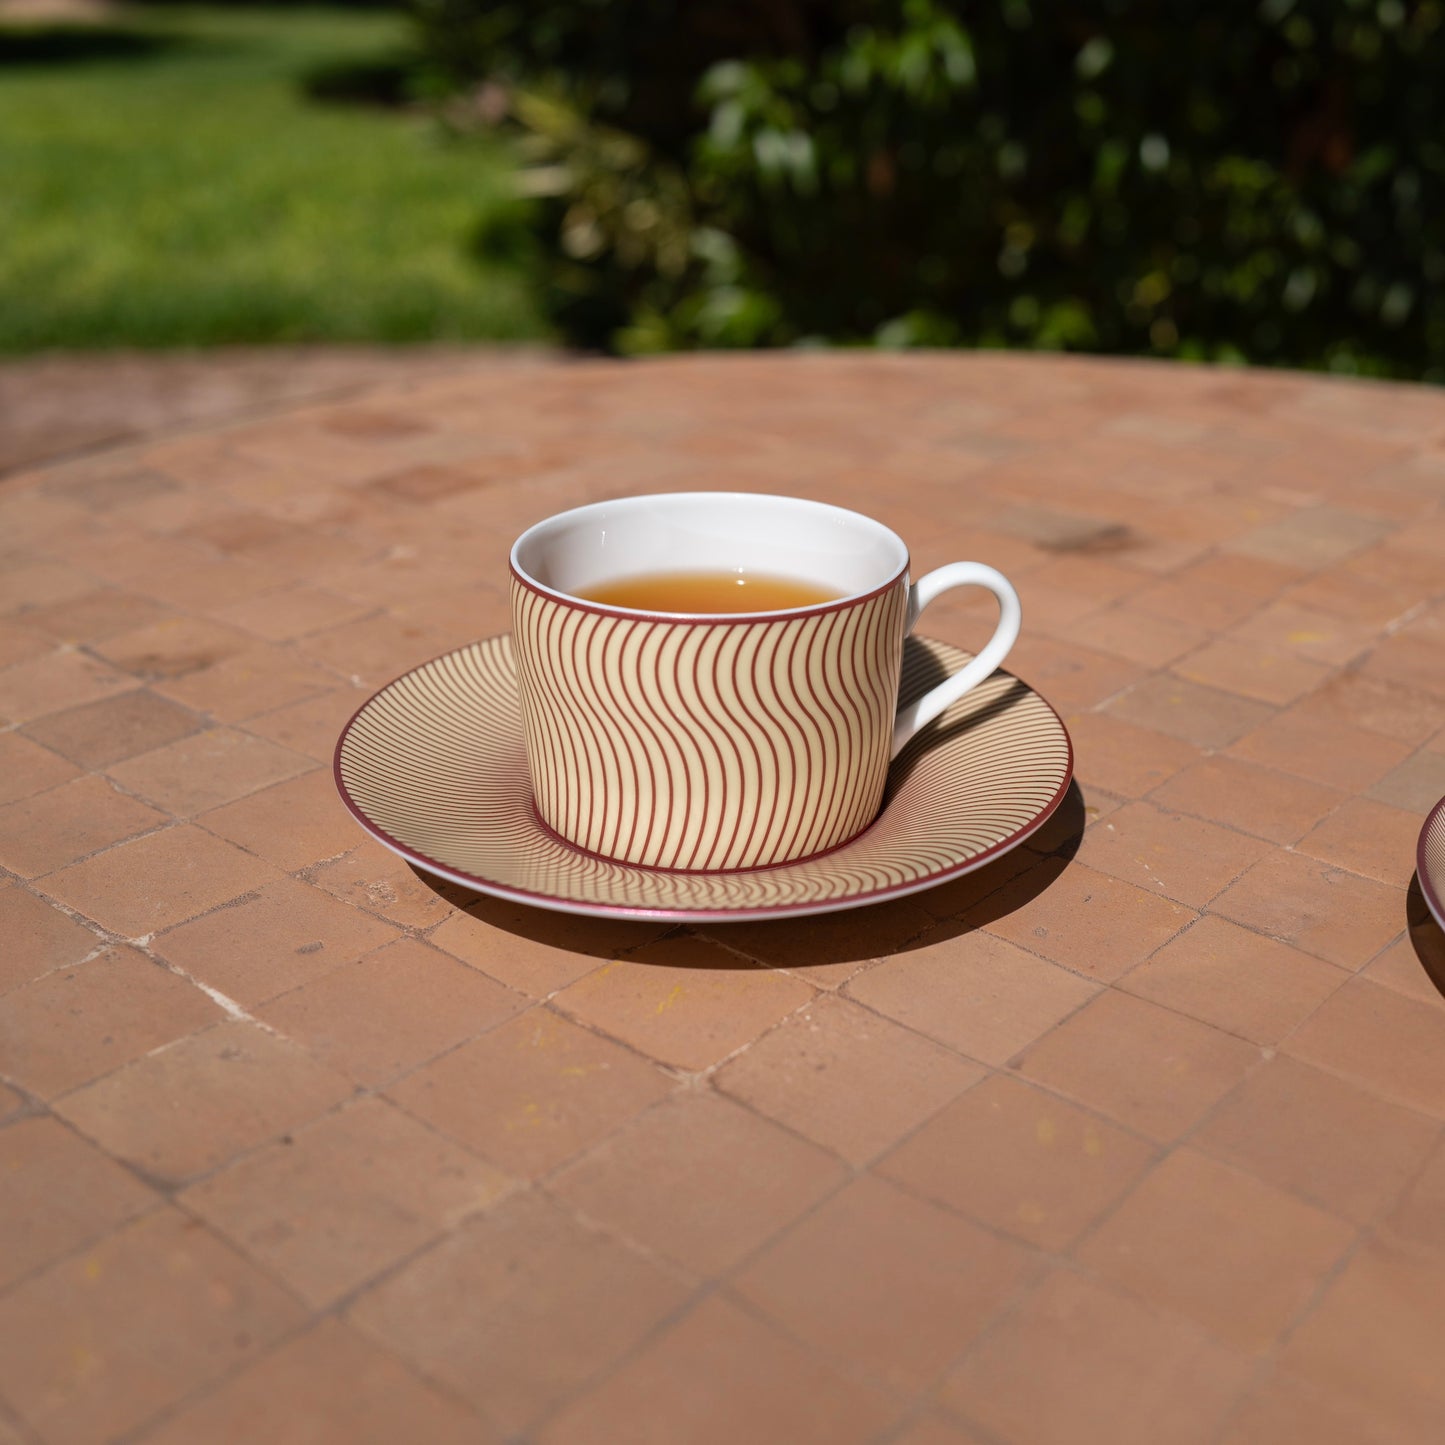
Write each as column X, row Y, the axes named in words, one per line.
column 1136, row 1136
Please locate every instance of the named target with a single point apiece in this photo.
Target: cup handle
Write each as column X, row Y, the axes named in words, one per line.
column 920, row 713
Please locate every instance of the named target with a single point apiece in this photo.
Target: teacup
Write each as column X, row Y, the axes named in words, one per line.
column 713, row 742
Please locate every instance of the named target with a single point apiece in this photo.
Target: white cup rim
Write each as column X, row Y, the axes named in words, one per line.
column 538, row 530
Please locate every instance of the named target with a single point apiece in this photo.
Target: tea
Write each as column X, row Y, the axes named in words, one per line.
column 709, row 592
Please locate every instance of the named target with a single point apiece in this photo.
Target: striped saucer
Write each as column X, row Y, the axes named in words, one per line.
column 434, row 766
column 1430, row 861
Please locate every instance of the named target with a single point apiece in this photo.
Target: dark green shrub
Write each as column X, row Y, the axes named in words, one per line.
column 1261, row 182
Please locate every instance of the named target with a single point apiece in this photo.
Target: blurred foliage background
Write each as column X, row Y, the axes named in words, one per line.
column 1259, row 182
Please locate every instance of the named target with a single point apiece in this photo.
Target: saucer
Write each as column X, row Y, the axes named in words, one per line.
column 1430, row 862
column 434, row 766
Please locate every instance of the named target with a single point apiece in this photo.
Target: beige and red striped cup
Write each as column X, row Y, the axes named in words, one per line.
column 716, row 742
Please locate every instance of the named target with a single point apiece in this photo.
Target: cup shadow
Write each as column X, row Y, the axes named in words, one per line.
column 1426, row 936
column 854, row 935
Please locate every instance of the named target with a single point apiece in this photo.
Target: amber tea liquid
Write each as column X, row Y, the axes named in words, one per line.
column 709, row 592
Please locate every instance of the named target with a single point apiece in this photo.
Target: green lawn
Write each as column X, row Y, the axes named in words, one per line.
column 169, row 183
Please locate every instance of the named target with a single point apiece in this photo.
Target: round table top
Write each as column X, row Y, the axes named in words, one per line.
column 1135, row 1134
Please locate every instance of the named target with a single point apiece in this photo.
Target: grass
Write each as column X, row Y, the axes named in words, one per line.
column 165, row 181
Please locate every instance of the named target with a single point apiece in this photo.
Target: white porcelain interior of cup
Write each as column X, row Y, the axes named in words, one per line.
column 842, row 551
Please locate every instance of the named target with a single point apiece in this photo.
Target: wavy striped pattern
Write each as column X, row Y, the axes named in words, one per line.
column 1430, row 861
column 435, row 767
column 703, row 745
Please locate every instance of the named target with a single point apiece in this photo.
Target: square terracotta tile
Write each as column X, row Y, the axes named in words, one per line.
column 257, row 680
column 1297, row 625
column 1238, row 981
column 313, row 726
column 141, row 887
column 42, row 833
column 1369, row 838
column 683, row 1386
column 845, row 1078
column 1319, row 1137
column 1321, row 750
column 80, row 1022
column 172, row 647
column 1352, row 594
column 1204, row 716
column 1021, row 1161
column 292, row 612
column 1196, row 602
column 1402, row 965
column 1149, row 1068
column 98, row 734
column 21, row 643
column 210, row 582
column 518, row 1309
column 59, row 1194
column 730, row 1179
column 26, row 769
column 533, row 950
column 1124, row 758
column 109, row 488
column 293, row 824
column 888, row 1285
column 974, row 992
column 372, row 878
column 271, row 941
column 1413, row 660
column 1263, row 801
column 241, row 1086
column 1234, row 575
column 1172, row 854
column 61, row 679
column 41, row 584
column 38, row 938
column 1372, row 1338
column 102, row 1341
column 1134, row 633
column 1312, row 537
column 1239, row 1257
column 94, row 616
column 332, row 1204
column 1416, row 785
column 207, row 769
column 550, row 1090
column 1086, row 921
column 684, row 1001
column 329, row 1386
column 1389, row 1044
column 1335, row 915
column 1065, row 1369
column 391, row 1010
column 1068, row 674
column 935, row 1429
column 1272, row 676
column 1358, row 700
column 1419, row 1216
column 12, row 1103
column 1284, row 1407
column 373, row 649
column 830, row 949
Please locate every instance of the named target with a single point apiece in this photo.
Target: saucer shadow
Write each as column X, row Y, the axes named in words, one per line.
column 853, row 935
column 1426, row 936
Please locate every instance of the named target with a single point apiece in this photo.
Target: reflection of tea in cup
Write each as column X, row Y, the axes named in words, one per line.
column 666, row 729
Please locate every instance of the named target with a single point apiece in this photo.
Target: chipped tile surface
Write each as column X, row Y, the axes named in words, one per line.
column 1137, row 1135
